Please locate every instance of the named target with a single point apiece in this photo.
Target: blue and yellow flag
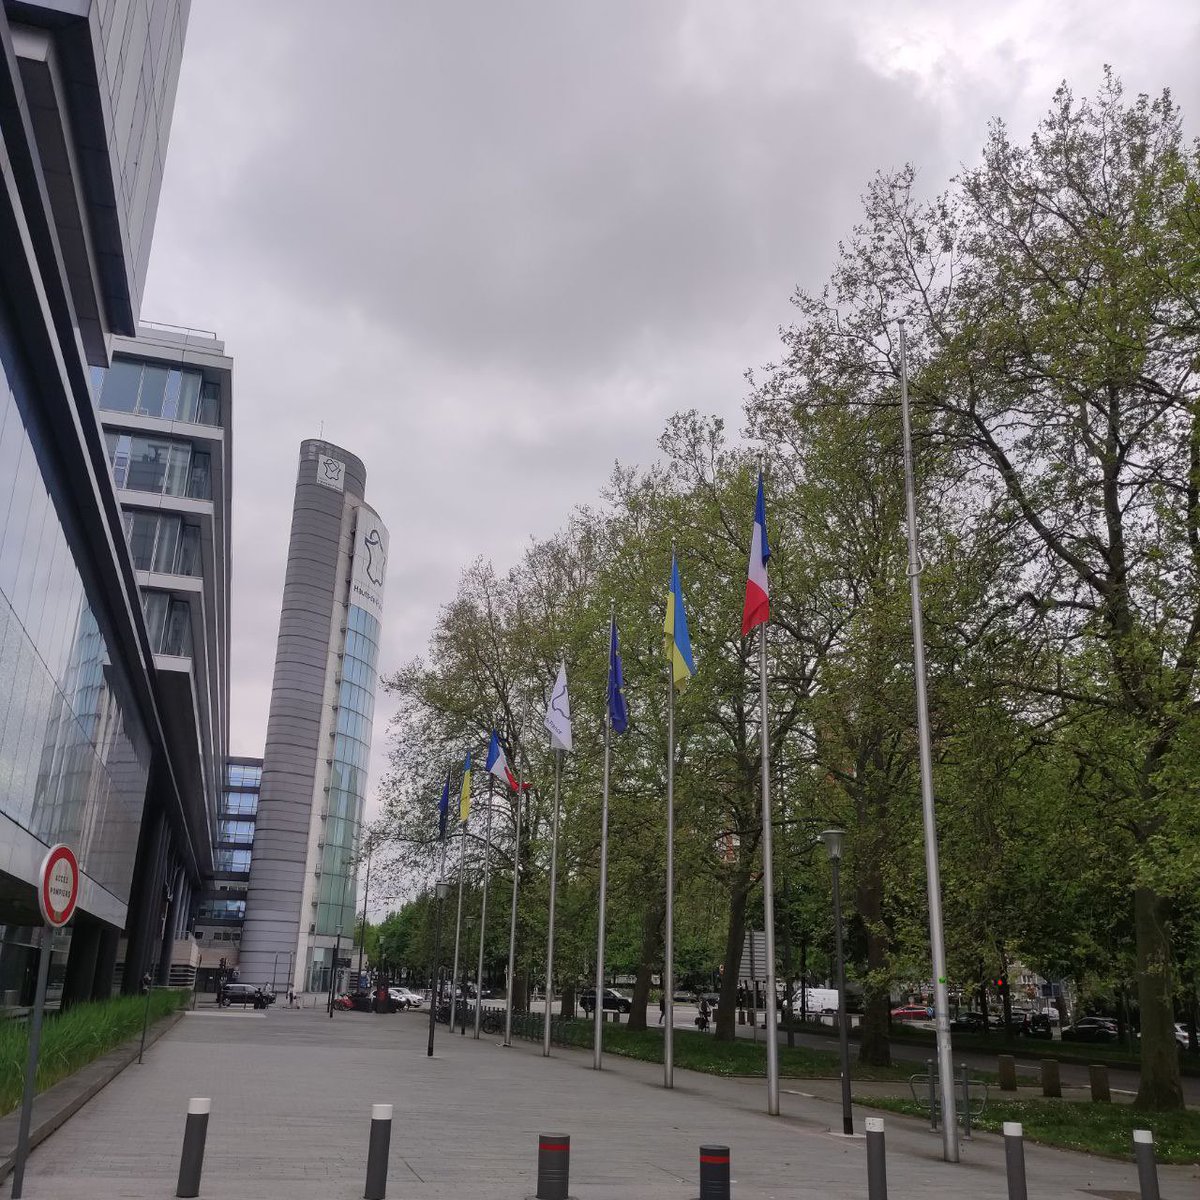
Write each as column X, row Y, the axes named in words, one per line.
column 676, row 644
column 464, row 801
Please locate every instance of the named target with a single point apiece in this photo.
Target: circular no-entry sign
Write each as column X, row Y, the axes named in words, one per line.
column 59, row 886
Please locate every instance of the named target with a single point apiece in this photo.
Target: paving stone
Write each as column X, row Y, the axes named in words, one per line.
column 291, row 1107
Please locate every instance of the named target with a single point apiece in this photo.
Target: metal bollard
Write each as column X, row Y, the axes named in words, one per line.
column 1007, row 1067
column 191, row 1160
column 1014, row 1160
column 1143, row 1153
column 554, row 1166
column 714, row 1173
column 1051, row 1084
column 876, row 1160
column 1098, row 1078
column 966, row 1102
column 378, row 1149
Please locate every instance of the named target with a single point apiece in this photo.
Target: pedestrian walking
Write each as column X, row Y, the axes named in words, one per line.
column 662, row 1008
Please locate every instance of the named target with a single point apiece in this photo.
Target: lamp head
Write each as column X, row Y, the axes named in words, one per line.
column 833, row 842
column 442, row 888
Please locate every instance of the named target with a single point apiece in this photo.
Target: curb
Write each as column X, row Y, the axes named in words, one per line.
column 57, row 1104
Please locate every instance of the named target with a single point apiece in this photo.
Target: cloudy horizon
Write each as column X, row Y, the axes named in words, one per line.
column 491, row 249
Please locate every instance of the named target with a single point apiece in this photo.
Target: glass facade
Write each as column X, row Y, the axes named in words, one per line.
column 169, row 623
column 154, row 390
column 74, row 754
column 162, row 466
column 222, row 909
column 336, row 893
column 162, row 542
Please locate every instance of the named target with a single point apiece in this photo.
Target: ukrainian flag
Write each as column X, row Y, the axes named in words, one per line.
column 464, row 801
column 676, row 644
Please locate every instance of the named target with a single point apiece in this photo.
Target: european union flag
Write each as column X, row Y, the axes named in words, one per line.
column 618, row 717
column 444, row 809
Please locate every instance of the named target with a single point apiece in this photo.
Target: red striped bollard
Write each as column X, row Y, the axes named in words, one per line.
column 714, row 1173
column 554, row 1166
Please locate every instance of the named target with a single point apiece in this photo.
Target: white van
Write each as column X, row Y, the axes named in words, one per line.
column 815, row 1000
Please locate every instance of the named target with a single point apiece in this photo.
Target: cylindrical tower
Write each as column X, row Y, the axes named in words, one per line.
column 303, row 878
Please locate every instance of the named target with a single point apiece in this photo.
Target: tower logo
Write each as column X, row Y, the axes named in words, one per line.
column 376, row 557
column 331, row 473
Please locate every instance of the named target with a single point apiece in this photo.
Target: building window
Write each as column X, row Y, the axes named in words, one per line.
column 244, row 775
column 239, row 832
column 221, row 910
column 232, row 860
column 153, row 390
column 169, row 623
column 161, row 466
column 162, row 542
column 240, row 804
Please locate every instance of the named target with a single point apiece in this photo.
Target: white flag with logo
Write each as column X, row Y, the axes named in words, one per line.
column 558, row 714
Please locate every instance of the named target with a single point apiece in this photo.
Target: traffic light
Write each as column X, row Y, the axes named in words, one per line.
column 1001, row 983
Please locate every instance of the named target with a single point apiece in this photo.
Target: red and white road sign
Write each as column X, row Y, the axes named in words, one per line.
column 58, row 889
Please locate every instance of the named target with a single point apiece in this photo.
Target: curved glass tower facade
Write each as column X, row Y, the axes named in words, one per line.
column 336, row 895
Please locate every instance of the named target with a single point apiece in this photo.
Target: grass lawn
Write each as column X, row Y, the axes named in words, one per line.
column 75, row 1038
column 1078, row 1052
column 696, row 1051
column 1081, row 1125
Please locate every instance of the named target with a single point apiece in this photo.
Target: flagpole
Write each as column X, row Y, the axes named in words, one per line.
column 487, row 864
column 462, row 855
column 933, row 876
column 768, row 883
column 512, row 921
column 669, row 941
column 436, row 995
column 598, row 997
column 550, row 927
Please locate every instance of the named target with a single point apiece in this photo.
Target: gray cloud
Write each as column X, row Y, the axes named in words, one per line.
column 491, row 247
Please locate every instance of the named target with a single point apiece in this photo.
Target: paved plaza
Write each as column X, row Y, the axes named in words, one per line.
column 291, row 1103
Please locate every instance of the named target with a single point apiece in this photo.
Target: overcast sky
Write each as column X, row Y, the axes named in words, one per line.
column 490, row 247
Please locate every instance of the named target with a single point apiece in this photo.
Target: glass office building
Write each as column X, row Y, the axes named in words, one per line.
column 86, row 95
column 221, row 910
column 303, row 886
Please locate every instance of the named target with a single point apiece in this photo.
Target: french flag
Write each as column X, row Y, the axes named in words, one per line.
column 497, row 764
column 758, row 603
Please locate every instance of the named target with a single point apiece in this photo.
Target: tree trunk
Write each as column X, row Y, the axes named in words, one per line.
column 652, row 921
column 874, row 1048
column 983, row 999
column 726, row 1023
column 1160, row 1089
column 568, row 999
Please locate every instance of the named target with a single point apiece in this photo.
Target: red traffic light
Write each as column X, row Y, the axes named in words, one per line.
column 1000, row 984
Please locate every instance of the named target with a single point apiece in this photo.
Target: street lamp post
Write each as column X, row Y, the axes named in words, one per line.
column 441, row 890
column 832, row 839
column 337, row 949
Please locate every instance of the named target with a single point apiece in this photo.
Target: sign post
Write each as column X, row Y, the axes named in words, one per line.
column 58, row 891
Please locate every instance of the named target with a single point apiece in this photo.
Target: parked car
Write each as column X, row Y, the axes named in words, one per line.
column 969, row 1022
column 1041, row 1025
column 243, row 994
column 912, row 1012
column 405, row 997
column 1181, row 1034
column 1089, row 1030
column 1104, row 1022
column 614, row 1001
